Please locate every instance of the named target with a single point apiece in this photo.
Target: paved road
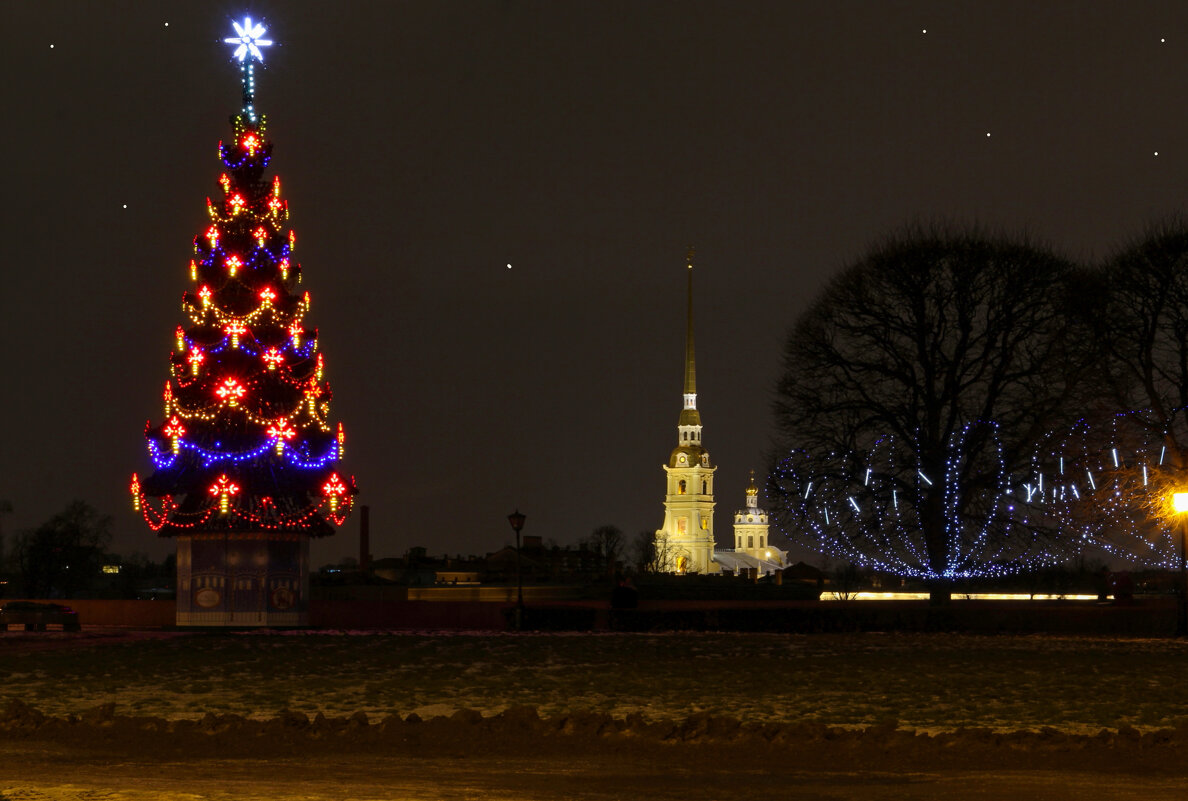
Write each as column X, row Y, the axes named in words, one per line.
column 37, row 772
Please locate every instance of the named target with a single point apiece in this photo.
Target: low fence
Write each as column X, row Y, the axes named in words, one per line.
column 1147, row 617
column 442, row 615
column 133, row 614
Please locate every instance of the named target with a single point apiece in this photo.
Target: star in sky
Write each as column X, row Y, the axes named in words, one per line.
column 248, row 39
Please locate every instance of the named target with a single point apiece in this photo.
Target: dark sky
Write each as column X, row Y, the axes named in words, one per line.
column 424, row 146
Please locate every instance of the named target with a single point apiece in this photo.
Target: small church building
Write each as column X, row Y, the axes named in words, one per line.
column 753, row 552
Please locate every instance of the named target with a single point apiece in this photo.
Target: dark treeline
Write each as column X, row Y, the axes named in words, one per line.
column 67, row 557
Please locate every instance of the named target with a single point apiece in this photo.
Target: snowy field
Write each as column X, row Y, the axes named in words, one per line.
column 929, row 683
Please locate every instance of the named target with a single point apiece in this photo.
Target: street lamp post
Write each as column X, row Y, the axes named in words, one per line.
column 517, row 522
column 1180, row 503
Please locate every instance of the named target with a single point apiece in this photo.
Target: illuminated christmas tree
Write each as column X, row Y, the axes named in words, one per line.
column 246, row 458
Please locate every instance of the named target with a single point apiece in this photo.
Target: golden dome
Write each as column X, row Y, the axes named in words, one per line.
column 692, row 455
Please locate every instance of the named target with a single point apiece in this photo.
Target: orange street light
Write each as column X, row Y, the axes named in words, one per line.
column 1180, row 504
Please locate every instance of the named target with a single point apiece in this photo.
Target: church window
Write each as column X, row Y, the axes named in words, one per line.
column 682, row 525
column 761, row 538
column 739, row 543
column 681, row 486
column 750, row 542
column 705, row 524
column 704, row 488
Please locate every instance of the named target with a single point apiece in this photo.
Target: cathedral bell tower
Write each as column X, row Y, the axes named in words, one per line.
column 685, row 543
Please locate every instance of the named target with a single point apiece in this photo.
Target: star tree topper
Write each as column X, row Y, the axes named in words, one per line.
column 247, row 43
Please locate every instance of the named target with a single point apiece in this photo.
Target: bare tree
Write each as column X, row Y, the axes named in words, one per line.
column 606, row 542
column 1145, row 325
column 651, row 555
column 913, row 391
column 1133, row 452
column 846, row 581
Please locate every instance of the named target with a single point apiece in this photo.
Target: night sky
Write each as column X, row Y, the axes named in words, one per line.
column 426, row 146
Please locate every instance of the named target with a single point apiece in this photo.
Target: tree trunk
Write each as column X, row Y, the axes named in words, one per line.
column 940, row 591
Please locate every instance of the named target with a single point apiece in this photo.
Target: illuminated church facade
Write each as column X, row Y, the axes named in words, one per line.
column 753, row 552
column 685, row 544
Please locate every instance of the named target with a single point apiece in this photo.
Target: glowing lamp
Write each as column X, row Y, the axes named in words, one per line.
column 193, row 270
column 168, row 397
column 341, row 441
column 292, row 239
column 295, row 331
column 224, row 180
column 333, row 490
column 260, row 234
column 212, row 236
column 267, row 294
column 237, row 203
column 318, row 369
column 250, row 143
column 1180, row 502
column 247, row 41
column 284, row 265
column 280, row 432
column 224, row 488
column 205, row 294
column 273, row 357
column 235, row 329
column 231, row 391
column 233, row 263
column 274, row 205
column 135, row 492
column 175, row 431
column 195, row 359
column 181, row 338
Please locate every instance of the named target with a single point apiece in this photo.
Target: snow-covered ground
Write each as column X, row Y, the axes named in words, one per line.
column 686, row 717
column 924, row 682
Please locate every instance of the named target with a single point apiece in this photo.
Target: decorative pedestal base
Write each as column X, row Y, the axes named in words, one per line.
column 254, row 579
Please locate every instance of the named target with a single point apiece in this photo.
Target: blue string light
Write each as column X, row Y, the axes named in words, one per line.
column 852, row 507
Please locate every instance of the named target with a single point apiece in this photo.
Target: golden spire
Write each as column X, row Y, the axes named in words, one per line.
column 752, row 490
column 689, row 450
column 689, row 414
column 690, row 368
